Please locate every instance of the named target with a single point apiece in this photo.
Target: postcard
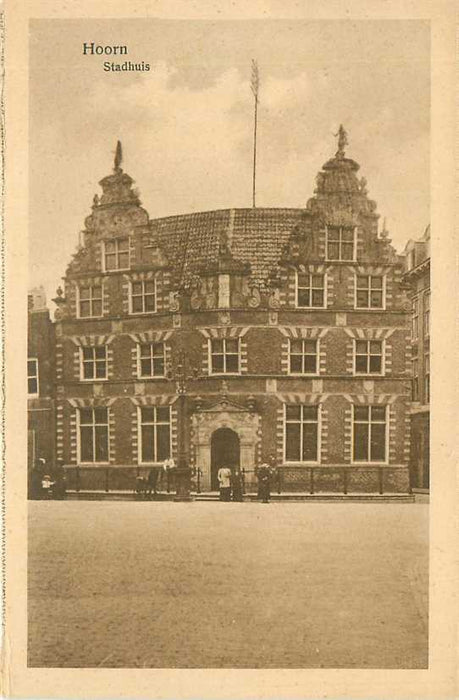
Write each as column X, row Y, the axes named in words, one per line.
column 231, row 474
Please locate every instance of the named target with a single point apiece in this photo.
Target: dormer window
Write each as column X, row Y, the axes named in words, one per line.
column 340, row 243
column 117, row 254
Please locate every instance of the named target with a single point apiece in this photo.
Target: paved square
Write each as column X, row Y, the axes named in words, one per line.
column 244, row 585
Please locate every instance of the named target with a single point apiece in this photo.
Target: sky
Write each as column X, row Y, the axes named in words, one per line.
column 186, row 126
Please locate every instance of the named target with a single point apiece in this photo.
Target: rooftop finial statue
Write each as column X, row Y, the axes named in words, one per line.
column 118, row 155
column 342, row 140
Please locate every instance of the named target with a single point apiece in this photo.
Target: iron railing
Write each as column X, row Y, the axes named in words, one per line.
column 286, row 479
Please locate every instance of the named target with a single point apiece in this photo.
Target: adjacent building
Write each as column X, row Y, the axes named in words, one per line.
column 417, row 277
column 291, row 326
column 40, row 381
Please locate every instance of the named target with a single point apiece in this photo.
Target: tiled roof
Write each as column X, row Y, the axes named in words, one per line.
column 255, row 236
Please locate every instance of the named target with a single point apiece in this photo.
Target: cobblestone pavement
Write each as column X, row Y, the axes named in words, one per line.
column 244, row 585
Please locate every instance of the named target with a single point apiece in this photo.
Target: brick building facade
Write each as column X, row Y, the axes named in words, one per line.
column 41, row 381
column 294, row 322
column 417, row 277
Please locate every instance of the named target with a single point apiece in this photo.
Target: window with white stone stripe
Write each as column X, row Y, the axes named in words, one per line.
column 303, row 356
column 151, row 360
column 369, row 291
column 154, row 433
column 369, row 434
column 224, row 355
column 93, row 362
column 90, row 300
column 142, row 299
column 310, row 290
column 93, row 431
column 369, row 357
column 301, row 433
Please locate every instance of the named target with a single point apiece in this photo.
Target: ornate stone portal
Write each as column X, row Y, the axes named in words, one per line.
column 224, row 414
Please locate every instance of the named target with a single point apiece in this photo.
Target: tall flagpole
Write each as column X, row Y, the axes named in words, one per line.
column 255, row 83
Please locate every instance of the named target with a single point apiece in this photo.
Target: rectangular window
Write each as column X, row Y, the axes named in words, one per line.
column 151, row 360
column 426, row 378
column 224, row 355
column 415, row 392
column 415, row 318
column 32, row 376
column 94, row 362
column 155, row 433
column 340, row 243
column 143, row 297
column 117, row 254
column 426, row 314
column 301, row 428
column 368, row 357
column 310, row 290
column 369, row 290
column 90, row 301
column 370, row 426
column 93, row 427
column 303, row 357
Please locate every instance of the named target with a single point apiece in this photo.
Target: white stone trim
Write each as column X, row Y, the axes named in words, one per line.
column 151, row 337
column 219, row 332
column 91, row 340
column 154, row 400
column 60, row 430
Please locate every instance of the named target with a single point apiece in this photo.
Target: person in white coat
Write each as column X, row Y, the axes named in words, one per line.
column 224, row 482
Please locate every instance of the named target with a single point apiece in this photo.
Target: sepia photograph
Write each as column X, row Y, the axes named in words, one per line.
column 228, row 344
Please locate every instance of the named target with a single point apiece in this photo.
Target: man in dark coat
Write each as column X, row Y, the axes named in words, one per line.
column 236, row 484
column 264, row 482
column 60, row 483
column 35, row 488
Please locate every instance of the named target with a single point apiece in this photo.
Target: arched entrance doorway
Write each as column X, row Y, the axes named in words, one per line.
column 224, row 452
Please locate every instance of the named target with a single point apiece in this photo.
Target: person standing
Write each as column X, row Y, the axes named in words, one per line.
column 264, row 482
column 224, row 482
column 168, row 470
column 152, row 482
column 35, row 492
column 236, row 483
column 60, row 483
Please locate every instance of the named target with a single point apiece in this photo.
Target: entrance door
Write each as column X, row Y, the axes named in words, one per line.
column 224, row 452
